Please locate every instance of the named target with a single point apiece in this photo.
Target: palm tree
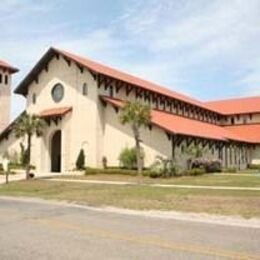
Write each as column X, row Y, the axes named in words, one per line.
column 27, row 126
column 137, row 115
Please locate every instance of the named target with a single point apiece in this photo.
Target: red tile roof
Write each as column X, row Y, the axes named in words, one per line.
column 236, row 106
column 250, row 132
column 107, row 71
column 7, row 66
column 60, row 111
column 185, row 126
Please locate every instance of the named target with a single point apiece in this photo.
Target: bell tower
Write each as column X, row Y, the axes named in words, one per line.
column 6, row 72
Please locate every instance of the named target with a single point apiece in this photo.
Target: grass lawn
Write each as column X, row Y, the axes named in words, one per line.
column 207, row 180
column 224, row 202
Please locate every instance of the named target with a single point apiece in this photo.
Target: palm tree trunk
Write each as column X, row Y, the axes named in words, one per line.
column 28, row 156
column 138, row 150
column 7, row 176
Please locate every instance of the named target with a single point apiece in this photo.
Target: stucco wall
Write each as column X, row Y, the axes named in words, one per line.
column 84, row 123
column 118, row 136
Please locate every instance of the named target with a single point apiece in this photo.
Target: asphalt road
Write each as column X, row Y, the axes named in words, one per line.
column 34, row 230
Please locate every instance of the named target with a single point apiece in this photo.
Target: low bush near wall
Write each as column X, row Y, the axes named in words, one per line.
column 254, row 166
column 164, row 168
column 127, row 158
column 209, row 165
column 230, row 170
column 114, row 171
column 195, row 172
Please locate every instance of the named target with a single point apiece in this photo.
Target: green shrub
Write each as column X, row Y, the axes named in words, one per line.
column 155, row 175
column 210, row 165
column 80, row 163
column 127, row 158
column 231, row 170
column 195, row 171
column 213, row 166
column 254, row 166
column 113, row 171
column 162, row 168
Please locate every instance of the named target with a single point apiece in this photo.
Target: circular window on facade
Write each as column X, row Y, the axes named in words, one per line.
column 57, row 93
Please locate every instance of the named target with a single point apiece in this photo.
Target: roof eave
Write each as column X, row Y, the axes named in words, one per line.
column 22, row 88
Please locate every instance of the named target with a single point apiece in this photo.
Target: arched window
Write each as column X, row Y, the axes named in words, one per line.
column 85, row 89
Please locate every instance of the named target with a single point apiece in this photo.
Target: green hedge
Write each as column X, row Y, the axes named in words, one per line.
column 254, row 166
column 115, row 171
column 230, row 170
column 195, row 172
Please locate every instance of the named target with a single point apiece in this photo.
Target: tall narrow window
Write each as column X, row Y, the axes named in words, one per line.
column 232, row 120
column 1, row 78
column 34, row 98
column 85, row 89
column 6, row 79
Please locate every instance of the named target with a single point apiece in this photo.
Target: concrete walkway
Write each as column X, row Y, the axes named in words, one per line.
column 20, row 175
column 158, row 185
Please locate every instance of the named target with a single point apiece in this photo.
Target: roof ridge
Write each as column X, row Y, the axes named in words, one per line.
column 160, row 88
column 231, row 99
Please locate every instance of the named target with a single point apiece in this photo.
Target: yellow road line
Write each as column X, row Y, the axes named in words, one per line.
column 57, row 224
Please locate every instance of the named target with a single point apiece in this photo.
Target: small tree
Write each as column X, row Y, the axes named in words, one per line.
column 137, row 115
column 127, row 158
column 27, row 126
column 80, row 163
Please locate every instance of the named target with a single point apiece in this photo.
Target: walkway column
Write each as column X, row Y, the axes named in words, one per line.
column 173, row 146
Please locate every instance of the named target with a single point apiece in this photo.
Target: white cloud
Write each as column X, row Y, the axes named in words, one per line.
column 164, row 41
column 251, row 80
column 199, row 34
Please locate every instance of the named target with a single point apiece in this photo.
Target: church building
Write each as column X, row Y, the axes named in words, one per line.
column 80, row 100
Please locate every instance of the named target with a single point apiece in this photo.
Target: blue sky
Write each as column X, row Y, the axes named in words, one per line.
column 206, row 49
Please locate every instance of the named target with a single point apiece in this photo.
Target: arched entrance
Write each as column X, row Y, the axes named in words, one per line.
column 56, row 152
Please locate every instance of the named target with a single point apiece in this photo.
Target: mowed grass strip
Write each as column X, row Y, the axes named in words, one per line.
column 223, row 202
column 234, row 180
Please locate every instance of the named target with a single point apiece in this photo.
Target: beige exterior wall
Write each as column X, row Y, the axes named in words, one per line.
column 118, row 137
column 80, row 128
